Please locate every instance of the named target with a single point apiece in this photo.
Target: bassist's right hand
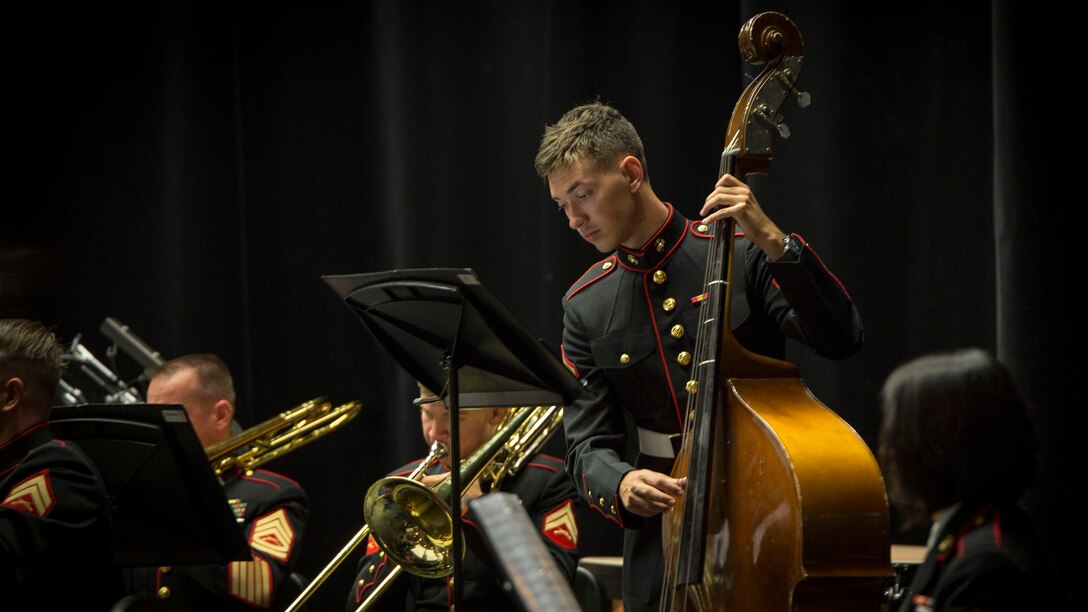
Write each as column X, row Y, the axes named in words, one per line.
column 648, row 493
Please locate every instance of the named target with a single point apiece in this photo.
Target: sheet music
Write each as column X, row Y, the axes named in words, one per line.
column 530, row 569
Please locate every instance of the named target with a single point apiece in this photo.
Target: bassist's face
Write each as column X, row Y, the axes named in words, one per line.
column 598, row 203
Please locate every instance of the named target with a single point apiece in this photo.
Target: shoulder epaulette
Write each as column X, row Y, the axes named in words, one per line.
column 595, row 273
column 984, row 533
column 547, row 462
column 700, row 229
column 270, row 477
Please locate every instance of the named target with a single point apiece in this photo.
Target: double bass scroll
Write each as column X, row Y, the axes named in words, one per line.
column 785, row 506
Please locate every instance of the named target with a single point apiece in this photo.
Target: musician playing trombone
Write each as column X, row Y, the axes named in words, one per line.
column 545, row 490
column 270, row 508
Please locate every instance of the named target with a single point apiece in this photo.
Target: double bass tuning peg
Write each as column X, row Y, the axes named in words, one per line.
column 789, row 83
column 787, row 80
column 764, row 114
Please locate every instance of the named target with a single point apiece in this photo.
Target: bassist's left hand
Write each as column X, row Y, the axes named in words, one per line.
column 733, row 198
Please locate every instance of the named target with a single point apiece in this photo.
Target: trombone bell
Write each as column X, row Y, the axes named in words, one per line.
column 413, row 523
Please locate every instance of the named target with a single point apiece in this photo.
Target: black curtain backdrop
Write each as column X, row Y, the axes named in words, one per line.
column 194, row 170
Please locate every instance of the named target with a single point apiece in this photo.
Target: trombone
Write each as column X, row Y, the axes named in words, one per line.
column 412, row 523
column 438, row 451
column 280, row 434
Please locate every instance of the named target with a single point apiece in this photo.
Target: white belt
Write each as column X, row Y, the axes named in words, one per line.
column 655, row 443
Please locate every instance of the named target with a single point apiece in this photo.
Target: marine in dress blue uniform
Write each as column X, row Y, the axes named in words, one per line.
column 630, row 326
column 55, row 527
column 985, row 559
column 271, row 510
column 959, row 450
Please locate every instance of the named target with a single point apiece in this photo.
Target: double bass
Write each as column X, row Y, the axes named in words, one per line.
column 785, row 507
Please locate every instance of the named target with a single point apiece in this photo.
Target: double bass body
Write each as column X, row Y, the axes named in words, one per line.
column 799, row 520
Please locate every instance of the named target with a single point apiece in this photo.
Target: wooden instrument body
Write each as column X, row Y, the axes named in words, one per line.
column 797, row 513
column 788, row 501
column 804, row 522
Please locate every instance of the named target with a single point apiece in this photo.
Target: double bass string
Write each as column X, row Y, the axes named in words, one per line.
column 704, row 374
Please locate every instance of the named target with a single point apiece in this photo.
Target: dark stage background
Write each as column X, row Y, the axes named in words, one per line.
column 194, row 170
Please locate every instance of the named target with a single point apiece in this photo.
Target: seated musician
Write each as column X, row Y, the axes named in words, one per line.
column 270, row 508
column 545, row 490
column 959, row 450
column 55, row 519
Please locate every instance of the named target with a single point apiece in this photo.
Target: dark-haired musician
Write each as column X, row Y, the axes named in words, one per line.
column 630, row 323
column 545, row 491
column 270, row 508
column 959, row 448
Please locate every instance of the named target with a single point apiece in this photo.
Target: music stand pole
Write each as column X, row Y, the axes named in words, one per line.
column 455, row 475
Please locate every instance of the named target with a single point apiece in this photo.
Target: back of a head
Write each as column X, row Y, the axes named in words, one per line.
column 594, row 133
column 30, row 351
column 955, row 429
column 213, row 373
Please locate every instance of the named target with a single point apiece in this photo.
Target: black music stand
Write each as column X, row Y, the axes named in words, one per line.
column 168, row 506
column 459, row 340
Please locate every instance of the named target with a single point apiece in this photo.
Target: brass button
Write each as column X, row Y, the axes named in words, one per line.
column 163, row 592
column 659, row 245
column 692, row 387
column 612, row 508
column 632, row 259
column 677, row 331
column 702, row 227
column 625, row 358
column 589, row 494
column 607, row 265
column 362, row 583
column 371, row 568
column 683, row 358
column 946, row 543
column 660, row 277
column 600, row 502
column 669, row 304
column 166, row 569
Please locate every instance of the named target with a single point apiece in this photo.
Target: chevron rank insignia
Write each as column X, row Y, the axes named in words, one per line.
column 32, row 496
column 561, row 527
column 273, row 535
